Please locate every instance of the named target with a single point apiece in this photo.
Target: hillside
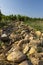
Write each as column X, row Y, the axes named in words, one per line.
column 21, row 40
column 20, row 44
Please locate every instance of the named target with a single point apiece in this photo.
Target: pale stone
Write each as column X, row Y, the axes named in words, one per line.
column 25, row 50
column 16, row 56
column 32, row 50
column 38, row 33
column 30, row 38
column 3, row 35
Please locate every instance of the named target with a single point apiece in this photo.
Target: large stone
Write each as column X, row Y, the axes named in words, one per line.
column 16, row 56
column 38, row 33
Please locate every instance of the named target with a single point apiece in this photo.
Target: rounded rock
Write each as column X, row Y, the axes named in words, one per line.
column 38, row 33
column 16, row 56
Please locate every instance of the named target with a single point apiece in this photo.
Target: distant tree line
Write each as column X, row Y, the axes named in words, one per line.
column 5, row 19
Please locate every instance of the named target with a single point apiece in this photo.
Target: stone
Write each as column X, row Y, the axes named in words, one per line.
column 40, row 55
column 26, row 37
column 12, row 49
column 25, row 50
column 32, row 50
column 23, row 32
column 38, row 33
column 34, row 60
column 30, row 28
column 11, row 36
column 14, row 37
column 34, row 42
column 16, row 56
column 30, row 38
column 4, row 37
column 24, row 63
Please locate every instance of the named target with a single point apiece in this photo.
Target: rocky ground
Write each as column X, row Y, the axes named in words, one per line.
column 20, row 44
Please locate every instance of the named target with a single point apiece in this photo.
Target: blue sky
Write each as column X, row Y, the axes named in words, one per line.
column 32, row 8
